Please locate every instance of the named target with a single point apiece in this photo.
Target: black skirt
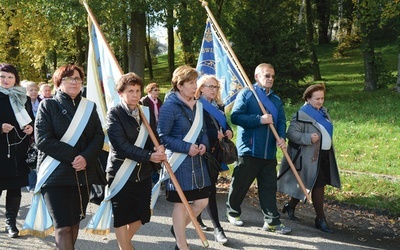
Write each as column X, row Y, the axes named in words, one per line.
column 64, row 204
column 191, row 195
column 324, row 171
column 132, row 203
column 14, row 182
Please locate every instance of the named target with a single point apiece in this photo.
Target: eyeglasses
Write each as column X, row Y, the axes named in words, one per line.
column 212, row 87
column 269, row 76
column 155, row 90
column 70, row 80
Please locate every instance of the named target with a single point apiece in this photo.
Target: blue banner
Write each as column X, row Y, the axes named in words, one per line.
column 214, row 60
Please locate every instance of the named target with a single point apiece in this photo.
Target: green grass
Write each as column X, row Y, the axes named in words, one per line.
column 367, row 129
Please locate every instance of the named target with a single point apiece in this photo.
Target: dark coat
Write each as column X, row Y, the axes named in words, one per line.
column 145, row 101
column 51, row 125
column 123, row 130
column 14, row 170
column 301, row 151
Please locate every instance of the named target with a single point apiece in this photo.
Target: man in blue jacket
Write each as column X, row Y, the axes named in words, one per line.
column 257, row 149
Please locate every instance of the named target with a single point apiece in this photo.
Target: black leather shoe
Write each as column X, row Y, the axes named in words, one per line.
column 219, row 235
column 12, row 231
column 290, row 212
column 203, row 227
column 172, row 231
column 322, row 225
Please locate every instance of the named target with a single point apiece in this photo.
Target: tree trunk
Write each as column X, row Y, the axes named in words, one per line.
column 43, row 70
column 219, row 8
column 137, row 45
column 54, row 59
column 13, row 44
column 149, row 60
column 323, row 10
column 301, row 12
column 310, row 40
column 368, row 51
column 186, row 40
column 125, row 47
column 81, row 57
column 171, row 41
column 398, row 75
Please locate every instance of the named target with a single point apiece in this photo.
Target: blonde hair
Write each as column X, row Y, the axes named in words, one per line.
column 181, row 75
column 200, row 83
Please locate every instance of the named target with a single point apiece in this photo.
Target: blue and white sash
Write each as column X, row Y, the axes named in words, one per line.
column 176, row 159
column 318, row 117
column 216, row 113
column 100, row 223
column 266, row 102
column 38, row 221
column 219, row 116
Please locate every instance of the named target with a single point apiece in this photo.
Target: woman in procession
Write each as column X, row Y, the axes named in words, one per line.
column 131, row 205
column 311, row 151
column 217, row 128
column 181, row 130
column 16, row 121
column 32, row 91
column 69, row 138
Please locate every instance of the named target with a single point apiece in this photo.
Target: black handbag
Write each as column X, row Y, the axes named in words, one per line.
column 213, row 166
column 31, row 155
column 226, row 151
column 98, row 188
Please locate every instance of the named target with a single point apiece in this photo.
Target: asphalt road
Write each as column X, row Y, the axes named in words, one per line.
column 156, row 235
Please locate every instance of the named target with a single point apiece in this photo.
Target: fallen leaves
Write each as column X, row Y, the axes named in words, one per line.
column 342, row 216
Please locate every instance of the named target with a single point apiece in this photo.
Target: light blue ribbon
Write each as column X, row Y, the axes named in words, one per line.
column 100, row 223
column 176, row 159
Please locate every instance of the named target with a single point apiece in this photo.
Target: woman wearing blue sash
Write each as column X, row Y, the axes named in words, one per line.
column 66, row 180
column 131, row 205
column 311, row 151
column 217, row 128
column 186, row 141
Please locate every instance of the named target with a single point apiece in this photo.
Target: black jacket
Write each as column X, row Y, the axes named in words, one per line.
column 50, row 126
column 122, row 131
column 145, row 101
column 15, row 165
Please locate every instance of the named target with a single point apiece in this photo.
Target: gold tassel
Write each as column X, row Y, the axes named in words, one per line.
column 97, row 231
column 36, row 233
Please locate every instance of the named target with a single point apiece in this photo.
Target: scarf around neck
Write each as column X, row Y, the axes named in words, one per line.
column 17, row 96
column 155, row 106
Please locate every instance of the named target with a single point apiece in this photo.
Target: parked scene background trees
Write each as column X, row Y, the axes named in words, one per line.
column 37, row 36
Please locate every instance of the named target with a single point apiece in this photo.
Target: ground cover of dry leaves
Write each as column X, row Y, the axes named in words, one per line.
column 344, row 217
